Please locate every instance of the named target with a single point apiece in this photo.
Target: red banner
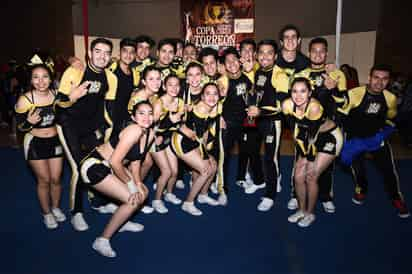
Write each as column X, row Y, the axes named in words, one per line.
column 218, row 24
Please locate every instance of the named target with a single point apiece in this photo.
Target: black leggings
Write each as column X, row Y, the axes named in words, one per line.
column 77, row 144
column 383, row 160
column 270, row 134
column 249, row 150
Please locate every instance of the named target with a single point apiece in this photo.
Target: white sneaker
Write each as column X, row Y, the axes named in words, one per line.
column 329, row 207
column 307, row 220
column 213, row 188
column 180, row 184
column 241, row 183
column 278, row 183
column 295, row 217
column 110, row 208
column 50, row 221
column 132, row 227
column 252, row 188
column 171, row 198
column 79, row 223
column 248, row 184
column 159, row 206
column 103, row 246
column 147, row 209
column 58, row 214
column 293, row 204
column 265, row 204
column 190, row 208
column 222, row 199
column 205, row 199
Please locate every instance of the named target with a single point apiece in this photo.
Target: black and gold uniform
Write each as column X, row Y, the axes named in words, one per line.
column 300, row 63
column 309, row 138
column 165, row 127
column 36, row 148
column 234, row 112
column 214, row 144
column 367, row 114
column 271, row 89
column 125, row 86
column 94, row 168
column 331, row 101
column 137, row 68
column 210, row 79
column 84, row 124
column 199, row 123
column 188, row 96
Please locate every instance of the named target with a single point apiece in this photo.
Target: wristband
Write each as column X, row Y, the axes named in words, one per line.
column 131, row 186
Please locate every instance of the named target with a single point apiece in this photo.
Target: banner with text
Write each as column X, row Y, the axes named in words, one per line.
column 218, row 24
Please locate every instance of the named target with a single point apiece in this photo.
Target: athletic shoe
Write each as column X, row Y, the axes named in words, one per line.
column 400, row 205
column 307, row 220
column 58, row 214
column 205, row 199
column 358, row 198
column 131, row 227
column 103, row 246
column 50, row 221
column 190, row 208
column 171, row 198
column 159, row 206
column 252, row 188
column 295, row 217
column 293, row 204
column 180, row 184
column 222, row 199
column 110, row 208
column 265, row 204
column 241, row 183
column 329, row 206
column 147, row 209
column 79, row 223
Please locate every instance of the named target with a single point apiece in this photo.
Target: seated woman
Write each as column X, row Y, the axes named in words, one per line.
column 42, row 149
column 318, row 141
column 190, row 144
column 129, row 147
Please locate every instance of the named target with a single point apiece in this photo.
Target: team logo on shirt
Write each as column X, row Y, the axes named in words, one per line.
column 240, row 89
column 94, row 87
column 373, row 108
column 47, row 120
column 318, row 81
column 261, row 81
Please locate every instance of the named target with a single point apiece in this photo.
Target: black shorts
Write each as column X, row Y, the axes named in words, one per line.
column 94, row 168
column 181, row 144
column 36, row 148
column 330, row 142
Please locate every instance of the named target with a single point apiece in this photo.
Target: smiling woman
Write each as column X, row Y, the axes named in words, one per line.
column 42, row 149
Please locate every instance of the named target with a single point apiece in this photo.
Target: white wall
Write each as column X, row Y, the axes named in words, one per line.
column 357, row 50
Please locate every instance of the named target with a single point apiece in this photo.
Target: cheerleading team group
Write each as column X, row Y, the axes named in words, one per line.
column 184, row 111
